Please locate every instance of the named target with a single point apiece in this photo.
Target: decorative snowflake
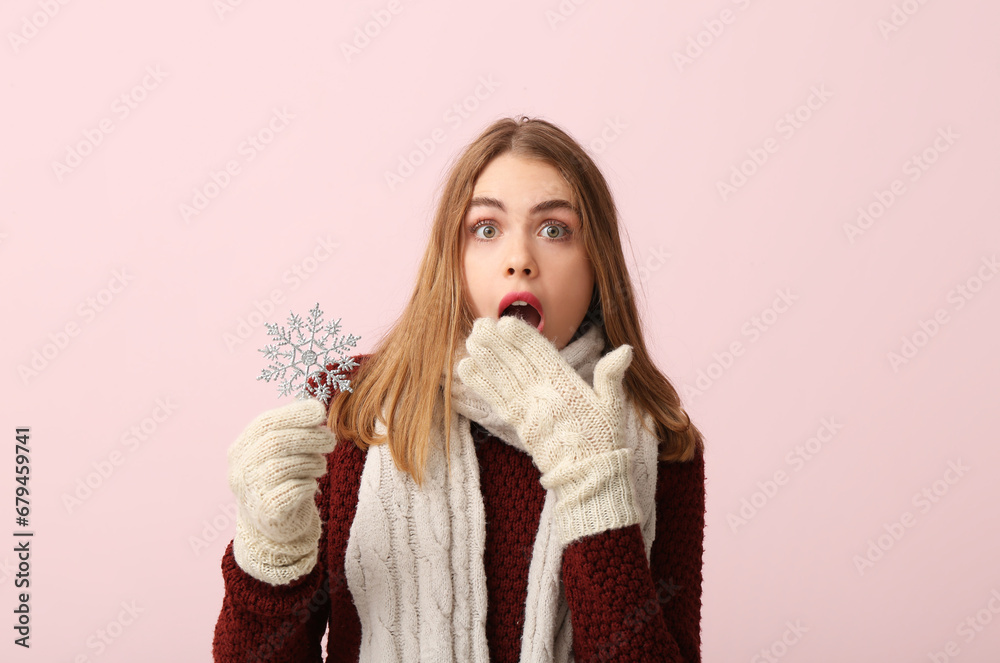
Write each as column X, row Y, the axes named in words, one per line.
column 322, row 347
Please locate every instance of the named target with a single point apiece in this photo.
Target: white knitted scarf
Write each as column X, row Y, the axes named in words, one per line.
column 414, row 559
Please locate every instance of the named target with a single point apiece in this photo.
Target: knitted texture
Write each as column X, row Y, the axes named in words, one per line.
column 512, row 501
column 273, row 470
column 573, row 431
column 620, row 609
column 547, row 634
column 414, row 559
column 263, row 622
column 643, row 612
column 625, row 629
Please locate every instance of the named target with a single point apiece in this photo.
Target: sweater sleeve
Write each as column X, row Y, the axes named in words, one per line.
column 261, row 622
column 624, row 608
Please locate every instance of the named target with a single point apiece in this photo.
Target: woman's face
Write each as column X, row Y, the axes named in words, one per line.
column 522, row 234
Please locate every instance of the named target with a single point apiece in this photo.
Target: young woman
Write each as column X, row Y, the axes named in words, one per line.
column 514, row 479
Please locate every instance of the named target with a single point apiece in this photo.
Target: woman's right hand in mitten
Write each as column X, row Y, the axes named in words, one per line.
column 273, row 468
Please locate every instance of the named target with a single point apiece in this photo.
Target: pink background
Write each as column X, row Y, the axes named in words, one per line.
column 708, row 264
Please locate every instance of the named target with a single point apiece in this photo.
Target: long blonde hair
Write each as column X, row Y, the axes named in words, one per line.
column 405, row 368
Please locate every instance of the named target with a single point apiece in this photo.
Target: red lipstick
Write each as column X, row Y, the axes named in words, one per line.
column 527, row 298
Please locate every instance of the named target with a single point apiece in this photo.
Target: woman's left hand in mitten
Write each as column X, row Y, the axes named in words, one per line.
column 573, row 432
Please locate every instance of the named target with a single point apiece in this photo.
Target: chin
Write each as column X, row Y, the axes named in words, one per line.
column 558, row 340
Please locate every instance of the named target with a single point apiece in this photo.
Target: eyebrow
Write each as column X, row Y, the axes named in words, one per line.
column 544, row 206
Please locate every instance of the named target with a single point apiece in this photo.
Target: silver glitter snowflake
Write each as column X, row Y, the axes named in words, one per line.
column 306, row 350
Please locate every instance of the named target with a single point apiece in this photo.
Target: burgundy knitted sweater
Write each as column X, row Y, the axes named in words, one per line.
column 622, row 608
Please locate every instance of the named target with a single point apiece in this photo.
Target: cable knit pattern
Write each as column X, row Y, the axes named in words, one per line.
column 447, row 517
column 548, row 634
column 601, row 575
column 414, row 557
column 573, row 429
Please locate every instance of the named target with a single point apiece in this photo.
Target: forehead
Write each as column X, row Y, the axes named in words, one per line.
column 520, row 180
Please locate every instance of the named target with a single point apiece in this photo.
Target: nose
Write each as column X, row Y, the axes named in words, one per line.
column 521, row 261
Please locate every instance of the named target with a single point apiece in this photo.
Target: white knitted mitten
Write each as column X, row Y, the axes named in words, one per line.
column 573, row 432
column 273, row 468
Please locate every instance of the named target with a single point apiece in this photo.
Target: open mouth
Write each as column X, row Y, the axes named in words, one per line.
column 523, row 305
